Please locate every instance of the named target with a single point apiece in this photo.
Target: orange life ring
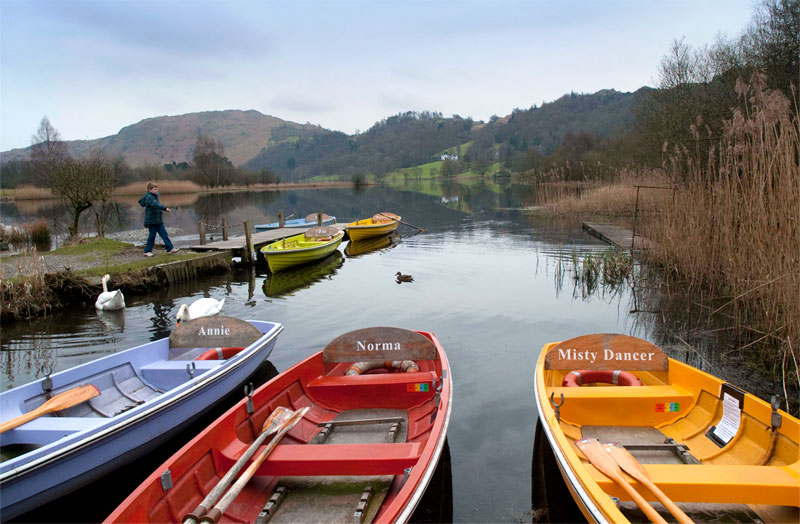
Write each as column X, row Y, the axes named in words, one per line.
column 589, row 376
column 219, row 353
column 405, row 366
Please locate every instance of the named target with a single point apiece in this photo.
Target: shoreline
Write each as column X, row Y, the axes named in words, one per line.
column 45, row 195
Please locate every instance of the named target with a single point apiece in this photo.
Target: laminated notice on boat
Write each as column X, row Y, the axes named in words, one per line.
column 728, row 425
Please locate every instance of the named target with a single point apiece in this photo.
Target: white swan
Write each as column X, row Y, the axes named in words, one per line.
column 202, row 307
column 109, row 300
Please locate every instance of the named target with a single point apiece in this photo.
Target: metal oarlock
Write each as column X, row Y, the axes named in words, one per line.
column 190, row 368
column 47, row 383
column 557, row 407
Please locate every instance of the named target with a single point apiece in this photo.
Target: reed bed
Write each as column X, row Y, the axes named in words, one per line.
column 736, row 224
column 617, row 198
column 165, row 187
column 29, row 192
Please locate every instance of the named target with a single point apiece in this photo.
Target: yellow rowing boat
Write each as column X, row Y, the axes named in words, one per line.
column 718, row 452
column 377, row 225
column 314, row 244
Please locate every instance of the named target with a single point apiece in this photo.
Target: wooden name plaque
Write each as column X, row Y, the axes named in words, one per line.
column 214, row 332
column 379, row 344
column 606, row 351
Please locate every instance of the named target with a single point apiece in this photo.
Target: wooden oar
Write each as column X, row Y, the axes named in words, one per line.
column 398, row 220
column 214, row 515
column 64, row 400
column 632, row 467
column 276, row 419
column 593, row 450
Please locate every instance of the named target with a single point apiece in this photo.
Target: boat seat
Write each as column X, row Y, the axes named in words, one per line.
column 623, row 406
column 167, row 374
column 775, row 485
column 395, row 390
column 341, row 459
column 46, row 429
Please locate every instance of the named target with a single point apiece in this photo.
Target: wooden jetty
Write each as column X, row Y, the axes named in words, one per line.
column 616, row 235
column 236, row 245
column 185, row 270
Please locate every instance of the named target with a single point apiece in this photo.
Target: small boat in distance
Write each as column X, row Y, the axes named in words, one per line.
column 314, row 244
column 703, row 449
column 309, row 221
column 146, row 395
column 377, row 225
column 375, row 406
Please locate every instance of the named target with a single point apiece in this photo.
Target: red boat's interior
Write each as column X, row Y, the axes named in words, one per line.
column 379, row 425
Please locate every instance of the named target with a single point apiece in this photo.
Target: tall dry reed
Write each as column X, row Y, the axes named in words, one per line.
column 736, row 225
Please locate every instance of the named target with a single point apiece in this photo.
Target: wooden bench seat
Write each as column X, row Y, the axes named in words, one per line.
column 341, row 459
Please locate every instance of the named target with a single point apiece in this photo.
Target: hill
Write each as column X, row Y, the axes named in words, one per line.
column 167, row 139
column 411, row 139
column 297, row 152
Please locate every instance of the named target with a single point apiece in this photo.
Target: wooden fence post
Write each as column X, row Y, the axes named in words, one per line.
column 280, row 219
column 201, row 228
column 247, row 255
column 224, row 229
column 319, row 218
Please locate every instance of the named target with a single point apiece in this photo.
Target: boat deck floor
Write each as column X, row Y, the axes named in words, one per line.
column 337, row 498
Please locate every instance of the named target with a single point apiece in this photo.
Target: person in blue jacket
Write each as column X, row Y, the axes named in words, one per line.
column 153, row 210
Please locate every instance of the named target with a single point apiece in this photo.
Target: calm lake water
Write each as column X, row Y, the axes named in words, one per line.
column 491, row 279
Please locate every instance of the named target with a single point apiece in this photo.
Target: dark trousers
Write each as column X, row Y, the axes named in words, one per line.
column 162, row 232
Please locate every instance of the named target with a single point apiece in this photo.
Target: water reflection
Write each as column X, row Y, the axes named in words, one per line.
column 288, row 281
column 356, row 248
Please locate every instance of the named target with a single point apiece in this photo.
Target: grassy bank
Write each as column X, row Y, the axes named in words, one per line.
column 40, row 290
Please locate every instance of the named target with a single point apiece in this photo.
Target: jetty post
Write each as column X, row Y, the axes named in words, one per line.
column 247, row 254
column 201, row 229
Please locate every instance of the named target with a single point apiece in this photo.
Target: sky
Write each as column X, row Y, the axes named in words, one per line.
column 95, row 66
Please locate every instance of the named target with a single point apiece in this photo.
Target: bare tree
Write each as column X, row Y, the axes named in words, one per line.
column 82, row 182
column 48, row 151
column 212, row 167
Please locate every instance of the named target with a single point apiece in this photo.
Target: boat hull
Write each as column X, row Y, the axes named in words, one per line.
column 684, row 404
column 399, row 471
column 296, row 222
column 104, row 444
column 280, row 257
column 368, row 228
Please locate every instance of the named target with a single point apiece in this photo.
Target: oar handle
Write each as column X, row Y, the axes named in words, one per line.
column 673, row 508
column 640, row 501
column 18, row 421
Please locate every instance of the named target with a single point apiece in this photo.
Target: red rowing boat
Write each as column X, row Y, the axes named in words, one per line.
column 356, row 429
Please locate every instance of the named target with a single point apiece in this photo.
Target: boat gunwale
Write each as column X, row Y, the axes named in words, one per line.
column 563, row 463
column 267, row 252
column 425, row 478
column 151, row 410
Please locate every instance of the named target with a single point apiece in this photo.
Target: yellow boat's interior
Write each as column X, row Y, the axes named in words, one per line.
column 720, row 453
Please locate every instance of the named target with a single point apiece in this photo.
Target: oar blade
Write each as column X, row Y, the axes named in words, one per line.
column 277, row 418
column 597, row 456
column 62, row 401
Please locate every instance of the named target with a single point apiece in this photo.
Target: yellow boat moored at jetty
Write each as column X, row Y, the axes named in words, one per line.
column 378, row 224
column 628, row 427
column 314, row 244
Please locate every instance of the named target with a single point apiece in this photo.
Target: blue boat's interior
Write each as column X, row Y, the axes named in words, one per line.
column 125, row 380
